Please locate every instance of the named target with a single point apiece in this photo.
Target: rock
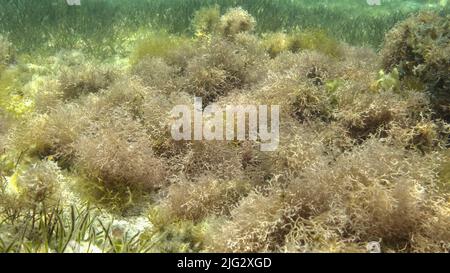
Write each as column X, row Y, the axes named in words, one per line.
column 373, row 247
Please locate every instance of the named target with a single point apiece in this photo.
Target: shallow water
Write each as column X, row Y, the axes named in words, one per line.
column 102, row 25
column 352, row 96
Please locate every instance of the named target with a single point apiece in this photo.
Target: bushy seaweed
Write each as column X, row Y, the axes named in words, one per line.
column 235, row 21
column 419, row 49
column 117, row 154
column 311, row 213
column 206, row 21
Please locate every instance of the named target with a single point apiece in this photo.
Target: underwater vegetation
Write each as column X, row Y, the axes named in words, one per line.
column 107, row 33
column 419, row 49
column 88, row 164
column 318, row 40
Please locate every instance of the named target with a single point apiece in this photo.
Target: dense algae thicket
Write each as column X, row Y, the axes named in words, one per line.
column 88, row 164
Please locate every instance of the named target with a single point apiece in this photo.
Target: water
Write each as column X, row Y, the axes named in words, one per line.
column 224, row 126
column 104, row 23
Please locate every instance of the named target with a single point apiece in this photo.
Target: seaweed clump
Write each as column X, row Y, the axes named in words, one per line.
column 117, row 154
column 34, row 188
column 311, row 39
column 235, row 21
column 375, row 193
column 317, row 40
column 206, row 21
column 90, row 78
column 196, row 200
column 420, row 49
